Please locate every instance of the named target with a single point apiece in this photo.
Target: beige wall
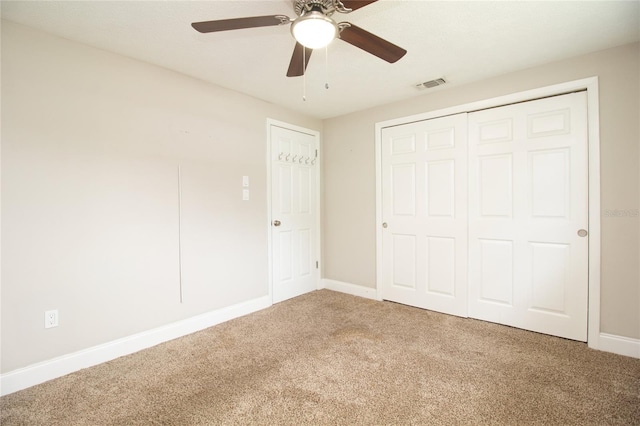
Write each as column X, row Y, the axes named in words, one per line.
column 349, row 174
column 91, row 144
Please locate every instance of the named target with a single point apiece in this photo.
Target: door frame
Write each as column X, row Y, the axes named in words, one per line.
column 316, row 135
column 593, row 125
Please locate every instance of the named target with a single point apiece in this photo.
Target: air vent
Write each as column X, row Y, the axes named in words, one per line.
column 431, row 83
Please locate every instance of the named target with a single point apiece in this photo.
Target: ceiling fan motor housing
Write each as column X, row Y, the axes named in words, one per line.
column 325, row 6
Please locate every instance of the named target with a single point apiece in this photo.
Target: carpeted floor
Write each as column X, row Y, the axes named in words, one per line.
column 330, row 358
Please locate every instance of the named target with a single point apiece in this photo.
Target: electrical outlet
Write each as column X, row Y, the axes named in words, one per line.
column 51, row 318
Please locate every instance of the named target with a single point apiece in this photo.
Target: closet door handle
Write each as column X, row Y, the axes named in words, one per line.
column 276, row 223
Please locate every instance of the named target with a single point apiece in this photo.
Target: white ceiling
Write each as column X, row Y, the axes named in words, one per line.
column 462, row 41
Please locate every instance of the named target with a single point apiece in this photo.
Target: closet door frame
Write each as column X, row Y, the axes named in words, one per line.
column 591, row 86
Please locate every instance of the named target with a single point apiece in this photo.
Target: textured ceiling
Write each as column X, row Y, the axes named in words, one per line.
column 458, row 40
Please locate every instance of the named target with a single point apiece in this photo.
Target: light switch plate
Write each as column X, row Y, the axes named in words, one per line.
column 245, row 181
column 245, row 195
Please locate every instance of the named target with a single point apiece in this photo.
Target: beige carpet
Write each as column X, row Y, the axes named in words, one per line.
column 330, row 358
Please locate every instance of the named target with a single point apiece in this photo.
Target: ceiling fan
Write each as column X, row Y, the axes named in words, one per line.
column 313, row 29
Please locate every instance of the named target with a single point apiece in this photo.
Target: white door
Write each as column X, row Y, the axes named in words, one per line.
column 528, row 204
column 424, row 210
column 294, row 230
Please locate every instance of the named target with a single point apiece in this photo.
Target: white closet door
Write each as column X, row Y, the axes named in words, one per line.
column 424, row 197
column 528, row 215
column 294, row 230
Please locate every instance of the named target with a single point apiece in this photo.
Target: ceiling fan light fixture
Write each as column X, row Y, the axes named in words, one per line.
column 314, row 30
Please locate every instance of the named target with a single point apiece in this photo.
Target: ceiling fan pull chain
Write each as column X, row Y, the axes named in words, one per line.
column 326, row 67
column 304, row 75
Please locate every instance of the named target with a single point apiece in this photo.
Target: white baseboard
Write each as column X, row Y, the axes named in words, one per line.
column 32, row 375
column 353, row 289
column 619, row 345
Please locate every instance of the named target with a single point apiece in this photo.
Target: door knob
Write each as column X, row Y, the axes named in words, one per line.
column 384, row 224
column 582, row 233
column 276, row 223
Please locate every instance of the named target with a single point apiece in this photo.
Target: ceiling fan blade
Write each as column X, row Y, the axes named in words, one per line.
column 296, row 69
column 371, row 43
column 239, row 23
column 357, row 4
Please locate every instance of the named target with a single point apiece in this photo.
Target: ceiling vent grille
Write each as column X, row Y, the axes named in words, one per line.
column 431, row 83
